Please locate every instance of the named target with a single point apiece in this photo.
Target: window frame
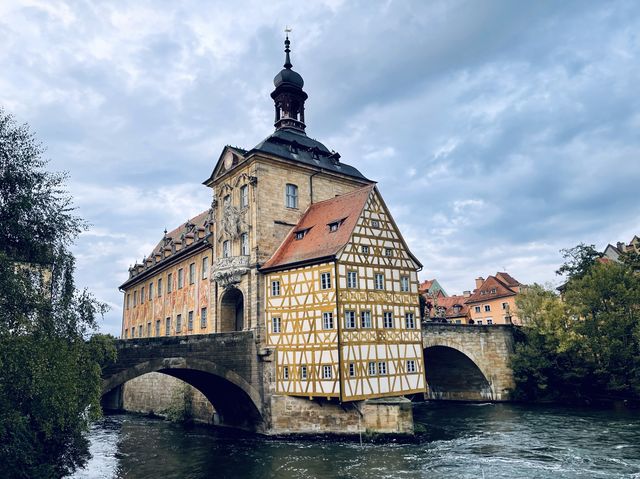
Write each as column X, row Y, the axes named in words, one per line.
column 350, row 319
column 352, row 279
column 203, row 317
column 387, row 320
column 365, row 314
column 327, row 369
column 404, row 284
column 169, row 282
column 378, row 285
column 167, row 326
column 275, row 287
column 244, row 196
column 192, row 273
column 204, row 274
column 276, row 325
column 409, row 321
column 244, row 244
column 327, row 320
column 180, row 278
column 411, row 366
column 325, row 280
column 190, row 321
column 291, row 196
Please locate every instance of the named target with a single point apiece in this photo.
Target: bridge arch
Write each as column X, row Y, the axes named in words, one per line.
column 235, row 400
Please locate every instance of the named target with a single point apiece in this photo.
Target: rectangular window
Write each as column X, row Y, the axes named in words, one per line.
column 244, row 244
column 291, row 196
column 404, row 284
column 388, row 251
column 126, row 334
column 150, row 291
column 411, row 366
column 285, row 372
column 135, row 298
column 371, row 368
column 479, row 322
column 205, row 267
column 477, row 309
column 140, row 331
column 489, row 321
column 505, row 306
column 203, row 318
column 352, row 370
column 192, row 273
column 325, row 281
column 226, row 201
column 379, row 284
column 350, row 319
column 159, row 287
column 179, row 323
column 388, row 319
column 303, row 372
column 276, row 325
column 458, row 321
column 180, row 278
column 142, row 295
column 365, row 319
column 244, row 196
column 327, row 320
column 409, row 321
column 190, row 321
column 487, row 307
column 375, row 224
column 133, row 332
column 149, row 329
column 364, row 249
column 169, row 282
column 275, row 288
column 157, row 328
column 128, row 300
column 382, row 368
column 352, row 279
column 226, row 249
column 326, row 372
column 167, row 326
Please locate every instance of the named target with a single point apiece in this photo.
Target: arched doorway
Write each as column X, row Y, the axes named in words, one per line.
column 452, row 375
column 232, row 311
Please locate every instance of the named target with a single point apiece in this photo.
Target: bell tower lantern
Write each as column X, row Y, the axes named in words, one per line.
column 288, row 95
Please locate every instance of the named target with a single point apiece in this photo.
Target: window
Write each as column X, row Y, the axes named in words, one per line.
column 375, row 224
column 300, row 234
column 190, row 321
column 149, row 329
column 388, row 319
column 303, row 372
column 365, row 319
column 142, row 295
column 364, row 249
column 325, row 281
column 140, row 331
column 133, row 332
column 276, row 325
column 505, row 306
column 334, row 226
column 352, row 370
column 388, row 251
column 244, row 244
column 479, row 321
column 285, row 372
column 203, row 318
column 192, row 273
column 126, row 334
column 409, row 321
column 411, row 366
column 327, row 320
column 157, row 328
column 244, row 196
column 179, row 323
column 350, row 319
column 291, row 196
column 226, row 249
column 404, row 284
column 167, row 326
column 458, row 321
column 150, row 291
column 128, row 300
column 169, row 283
column 382, row 368
column 226, row 201
column 159, row 287
column 326, row 372
column 493, row 290
column 275, row 288
column 352, row 279
column 205, row 267
column 489, row 320
column 180, row 278
column 487, row 307
column 371, row 368
column 477, row 309
column 379, row 283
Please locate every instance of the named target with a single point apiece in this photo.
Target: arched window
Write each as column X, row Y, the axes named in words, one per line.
column 291, row 196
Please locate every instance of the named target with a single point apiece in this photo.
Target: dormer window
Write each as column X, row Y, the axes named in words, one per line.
column 334, row 225
column 301, row 233
column 493, row 291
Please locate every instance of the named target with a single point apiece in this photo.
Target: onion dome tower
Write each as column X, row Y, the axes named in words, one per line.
column 288, row 96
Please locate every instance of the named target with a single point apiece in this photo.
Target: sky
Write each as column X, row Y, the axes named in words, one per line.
column 499, row 132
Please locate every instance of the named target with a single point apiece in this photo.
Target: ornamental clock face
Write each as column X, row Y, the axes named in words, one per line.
column 228, row 161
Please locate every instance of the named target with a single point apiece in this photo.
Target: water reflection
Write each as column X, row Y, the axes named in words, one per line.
column 461, row 440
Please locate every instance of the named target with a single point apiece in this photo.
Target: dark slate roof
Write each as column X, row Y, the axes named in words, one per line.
column 296, row 146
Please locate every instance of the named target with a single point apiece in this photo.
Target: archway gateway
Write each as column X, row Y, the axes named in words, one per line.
column 232, row 310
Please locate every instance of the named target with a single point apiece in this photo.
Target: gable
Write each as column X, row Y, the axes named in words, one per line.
column 490, row 289
column 230, row 157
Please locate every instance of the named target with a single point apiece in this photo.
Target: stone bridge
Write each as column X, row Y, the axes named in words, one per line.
column 468, row 362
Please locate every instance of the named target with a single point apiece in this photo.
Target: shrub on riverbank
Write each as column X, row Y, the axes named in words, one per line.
column 582, row 347
column 50, row 382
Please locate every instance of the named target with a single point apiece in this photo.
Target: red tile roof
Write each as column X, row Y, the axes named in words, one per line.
column 318, row 241
column 425, row 285
column 501, row 283
column 449, row 303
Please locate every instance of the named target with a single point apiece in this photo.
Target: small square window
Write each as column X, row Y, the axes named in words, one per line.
column 489, row 321
column 375, row 224
column 411, row 366
column 479, row 322
column 364, row 249
column 388, row 251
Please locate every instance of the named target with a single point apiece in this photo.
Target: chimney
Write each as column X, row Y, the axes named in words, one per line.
column 466, row 294
column 479, row 281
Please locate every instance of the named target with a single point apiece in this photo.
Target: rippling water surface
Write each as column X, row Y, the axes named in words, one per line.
column 461, row 441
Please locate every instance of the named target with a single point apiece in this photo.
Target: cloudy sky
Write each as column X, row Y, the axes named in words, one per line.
column 499, row 132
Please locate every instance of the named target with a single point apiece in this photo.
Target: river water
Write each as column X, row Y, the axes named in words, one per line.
column 461, row 441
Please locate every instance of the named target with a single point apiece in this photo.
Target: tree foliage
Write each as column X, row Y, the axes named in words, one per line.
column 50, row 367
column 585, row 346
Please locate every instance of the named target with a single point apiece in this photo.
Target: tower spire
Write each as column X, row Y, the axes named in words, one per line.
column 287, row 50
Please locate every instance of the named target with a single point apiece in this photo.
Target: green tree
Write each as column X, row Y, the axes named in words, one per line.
column 49, row 365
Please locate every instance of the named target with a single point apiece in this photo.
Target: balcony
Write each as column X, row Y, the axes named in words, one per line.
column 229, row 271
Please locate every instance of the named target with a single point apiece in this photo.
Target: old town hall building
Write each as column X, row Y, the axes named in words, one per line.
column 299, row 248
